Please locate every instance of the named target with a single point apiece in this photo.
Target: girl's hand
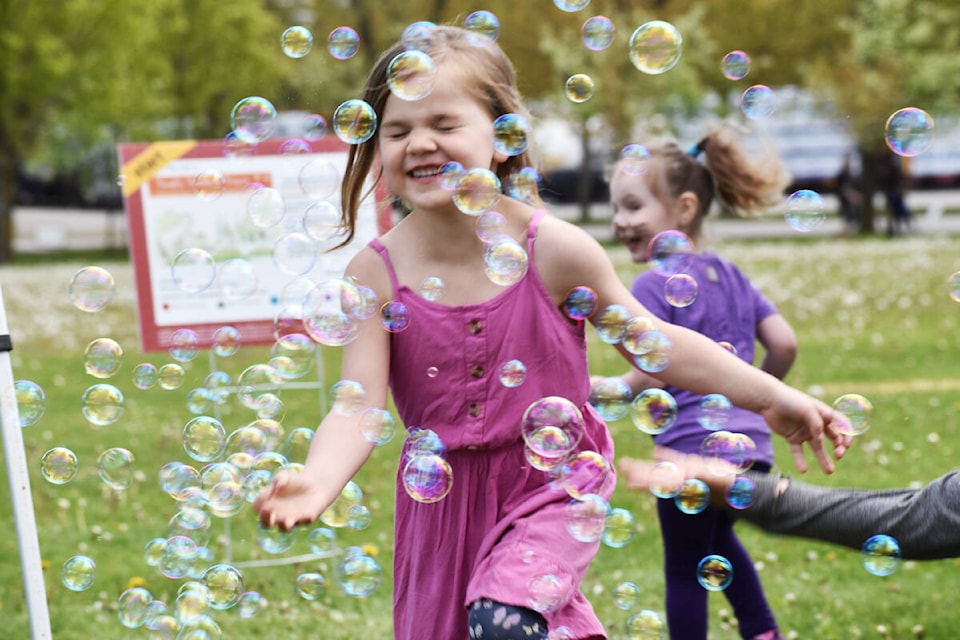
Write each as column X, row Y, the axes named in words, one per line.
column 800, row 418
column 290, row 499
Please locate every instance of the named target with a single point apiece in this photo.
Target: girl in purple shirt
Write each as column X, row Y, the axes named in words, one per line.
column 674, row 192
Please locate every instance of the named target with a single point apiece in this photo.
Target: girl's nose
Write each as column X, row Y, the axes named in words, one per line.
column 420, row 141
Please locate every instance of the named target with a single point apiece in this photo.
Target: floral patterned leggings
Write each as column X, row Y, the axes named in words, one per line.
column 490, row 620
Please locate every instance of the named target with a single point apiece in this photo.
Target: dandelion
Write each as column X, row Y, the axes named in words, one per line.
column 135, row 582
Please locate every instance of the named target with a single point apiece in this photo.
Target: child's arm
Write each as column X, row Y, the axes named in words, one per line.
column 338, row 448
column 780, row 344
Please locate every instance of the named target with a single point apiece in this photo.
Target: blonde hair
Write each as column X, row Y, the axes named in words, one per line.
column 486, row 73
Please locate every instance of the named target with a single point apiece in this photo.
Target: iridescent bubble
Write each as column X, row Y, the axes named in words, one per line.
column 741, row 492
column 427, row 478
column 320, row 179
column 321, row 221
column 510, row 133
column 204, row 438
column 597, row 33
column 611, row 398
column 578, row 88
column 261, row 377
column 634, row 159
column 410, row 75
column 191, row 607
column 394, row 316
column 571, row 6
column 758, row 102
column 478, row 191
column 225, row 584
column 611, row 324
column 91, row 289
column 805, row 210
column 238, row 145
column 314, row 127
column 626, row 595
column 512, row 373
column 432, row 372
column 354, row 121
column 293, row 356
column 193, row 270
column 422, row 441
column 209, row 184
column 587, row 472
column 505, row 261
column 881, row 555
column 323, row 542
column 584, row 517
column 170, row 376
column 294, row 253
column 359, row 574
column 655, row 47
column 78, row 573
column 253, row 119
column 417, row 36
column 311, row 585
column 619, row 529
column 58, row 465
column 522, row 184
column 337, row 515
column 714, row 411
column 654, row 411
column 735, row 65
column 909, row 132
column 266, row 207
column 102, row 404
column 377, row 426
column 580, row 303
column 237, row 279
column 547, row 592
column 953, row 283
column 666, row 479
column 680, row 290
column 728, row 452
column 115, row 468
column 484, row 27
column 670, row 252
column 296, row 41
column 132, row 607
column 431, row 288
column 714, row 573
column 635, row 333
column 491, row 225
column 655, row 356
column 225, row 341
column 693, row 497
column 450, row 174
column 179, row 557
column 343, row 43
column 359, row 517
column 275, row 541
column 728, row 346
column 251, row 603
column 293, row 146
column 332, row 312
column 184, row 345
column 177, row 477
column 858, row 412
column 31, row 401
column 552, row 427
column 268, row 406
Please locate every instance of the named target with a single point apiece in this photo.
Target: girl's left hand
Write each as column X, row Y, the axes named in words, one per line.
column 803, row 419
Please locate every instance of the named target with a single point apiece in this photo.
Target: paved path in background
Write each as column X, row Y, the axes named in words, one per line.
column 44, row 230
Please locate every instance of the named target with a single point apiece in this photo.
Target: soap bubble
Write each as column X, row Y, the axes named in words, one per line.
column 909, row 132
column 578, row 88
column 758, row 102
column 354, row 121
column 597, row 33
column 343, row 43
column 58, row 465
column 411, row 74
column 714, row 573
column 484, row 27
column 31, row 401
column 655, row 47
column 881, row 555
column 296, row 41
column 253, row 119
column 91, row 289
column 805, row 210
column 78, row 573
column 735, row 65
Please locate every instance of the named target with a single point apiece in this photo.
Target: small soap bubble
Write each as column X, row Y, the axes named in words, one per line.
column 224, row 584
column 584, row 517
column 251, row 603
column 193, row 270
column 523, row 184
column 314, row 127
column 552, row 427
column 693, row 497
column 666, row 479
column 337, row 515
column 909, row 132
column 332, row 312
column 546, row 592
column 741, row 492
column 432, row 372
column 236, row 279
column 431, row 288
column 225, row 341
column 275, row 541
column 204, row 438
column 115, row 468
column 170, row 376
column 735, row 65
column 295, row 253
column 59, row 465
column 619, row 529
column 580, row 303
column 510, row 134
column 293, row 355
column 670, row 252
column 354, row 121
column 881, row 555
column 636, row 332
column 209, row 185
column 484, row 27
column 587, row 472
column 597, row 33
column 634, row 159
column 184, row 345
column 296, row 41
column 654, row 411
column 78, row 573
column 427, row 478
column 713, row 411
column 655, row 47
column 320, row 179
column 418, row 36
column 571, row 6
column 728, row 452
column 714, row 573
column 311, row 585
column 266, row 207
column 321, row 221
column 410, row 75
column 450, row 174
column 323, row 542
column 394, row 316
column 680, row 290
column 578, row 88
column 758, row 102
column 31, row 401
column 359, row 574
column 512, row 373
column 655, row 356
column 612, row 322
column 343, row 43
column 491, row 225
column 238, row 145
column 91, row 289
column 805, row 210
column 857, row 410
column 626, row 595
column 505, row 261
column 359, row 517
column 611, row 397
column 102, row 404
column 477, row 191
column 377, row 426
column 253, row 119
column 132, row 607
column 953, row 283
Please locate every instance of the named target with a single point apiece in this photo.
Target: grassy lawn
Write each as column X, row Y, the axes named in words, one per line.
column 873, row 317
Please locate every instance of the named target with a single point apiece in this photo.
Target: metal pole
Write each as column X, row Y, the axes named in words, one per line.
column 19, row 479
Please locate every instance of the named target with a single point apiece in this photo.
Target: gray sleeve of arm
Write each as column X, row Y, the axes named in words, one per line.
column 926, row 522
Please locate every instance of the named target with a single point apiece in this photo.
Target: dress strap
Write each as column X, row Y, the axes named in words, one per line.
column 532, row 227
column 385, row 255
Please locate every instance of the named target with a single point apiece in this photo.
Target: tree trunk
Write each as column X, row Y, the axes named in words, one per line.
column 585, row 179
column 8, row 190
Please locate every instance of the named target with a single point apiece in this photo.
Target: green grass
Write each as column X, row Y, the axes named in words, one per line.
column 873, row 316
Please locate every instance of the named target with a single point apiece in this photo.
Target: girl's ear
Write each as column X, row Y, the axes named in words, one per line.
column 687, row 206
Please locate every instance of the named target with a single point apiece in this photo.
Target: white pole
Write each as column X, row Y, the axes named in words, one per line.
column 19, row 479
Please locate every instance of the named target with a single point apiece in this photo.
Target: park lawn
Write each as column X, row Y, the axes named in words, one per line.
column 873, row 317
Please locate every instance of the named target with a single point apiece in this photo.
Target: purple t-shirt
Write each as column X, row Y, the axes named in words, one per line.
column 728, row 308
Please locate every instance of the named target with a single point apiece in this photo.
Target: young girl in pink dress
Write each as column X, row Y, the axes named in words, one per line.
column 493, row 558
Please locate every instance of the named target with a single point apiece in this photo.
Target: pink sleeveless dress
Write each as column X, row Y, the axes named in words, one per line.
column 501, row 528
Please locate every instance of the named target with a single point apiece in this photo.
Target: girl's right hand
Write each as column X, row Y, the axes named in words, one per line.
column 290, row 499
